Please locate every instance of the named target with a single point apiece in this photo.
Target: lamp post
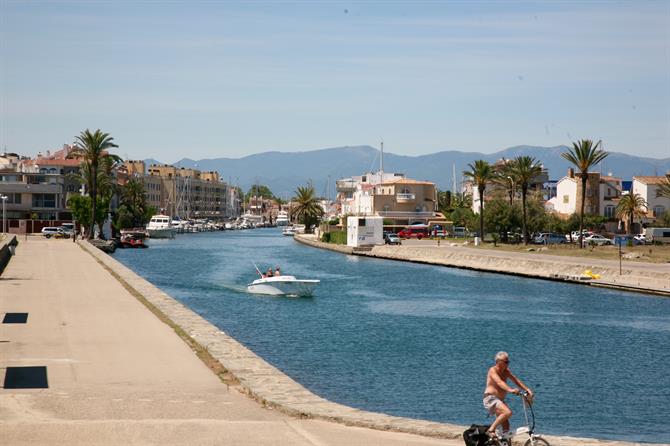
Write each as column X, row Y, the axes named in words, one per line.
column 4, row 218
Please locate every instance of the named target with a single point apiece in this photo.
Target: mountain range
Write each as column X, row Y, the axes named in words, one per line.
column 283, row 172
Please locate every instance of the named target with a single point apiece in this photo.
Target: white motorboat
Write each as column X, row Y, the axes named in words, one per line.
column 283, row 286
column 160, row 227
column 282, row 218
column 289, row 230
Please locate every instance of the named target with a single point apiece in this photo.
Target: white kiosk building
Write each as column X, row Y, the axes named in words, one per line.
column 365, row 231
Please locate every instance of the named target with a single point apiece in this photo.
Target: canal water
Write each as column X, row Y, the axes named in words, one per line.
column 416, row 340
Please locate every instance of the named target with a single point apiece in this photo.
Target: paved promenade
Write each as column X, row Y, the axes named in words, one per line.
column 119, row 375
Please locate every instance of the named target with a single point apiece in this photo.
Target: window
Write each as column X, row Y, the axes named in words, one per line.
column 44, row 200
column 361, row 222
column 609, row 211
column 659, row 211
column 566, row 199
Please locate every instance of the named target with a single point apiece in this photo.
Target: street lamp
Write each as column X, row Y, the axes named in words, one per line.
column 4, row 219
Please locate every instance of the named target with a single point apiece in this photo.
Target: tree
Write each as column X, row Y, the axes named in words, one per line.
column 583, row 155
column 481, row 173
column 664, row 187
column 134, row 201
column 307, row 209
column 631, row 206
column 92, row 148
column 505, row 179
column 259, row 190
column 522, row 170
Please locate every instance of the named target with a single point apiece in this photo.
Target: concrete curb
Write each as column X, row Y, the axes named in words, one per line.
column 270, row 386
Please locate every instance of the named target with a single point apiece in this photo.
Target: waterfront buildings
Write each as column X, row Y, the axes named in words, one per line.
column 38, row 188
column 185, row 193
column 399, row 200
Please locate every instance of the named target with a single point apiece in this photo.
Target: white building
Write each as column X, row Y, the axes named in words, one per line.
column 602, row 195
column 648, row 188
column 365, row 231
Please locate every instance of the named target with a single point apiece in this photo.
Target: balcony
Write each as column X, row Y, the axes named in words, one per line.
column 405, row 198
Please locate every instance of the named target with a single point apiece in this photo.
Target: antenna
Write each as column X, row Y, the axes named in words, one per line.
column 453, row 178
column 381, row 163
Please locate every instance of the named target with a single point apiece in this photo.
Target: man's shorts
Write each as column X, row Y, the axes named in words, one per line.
column 490, row 403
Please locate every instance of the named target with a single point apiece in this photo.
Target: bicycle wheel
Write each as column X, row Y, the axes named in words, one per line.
column 537, row 441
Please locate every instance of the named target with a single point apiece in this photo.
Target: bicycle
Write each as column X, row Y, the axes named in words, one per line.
column 533, row 438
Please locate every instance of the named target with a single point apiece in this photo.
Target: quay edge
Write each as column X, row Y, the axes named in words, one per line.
column 268, row 385
column 537, row 266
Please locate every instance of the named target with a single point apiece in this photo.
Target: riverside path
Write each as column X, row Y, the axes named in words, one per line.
column 117, row 375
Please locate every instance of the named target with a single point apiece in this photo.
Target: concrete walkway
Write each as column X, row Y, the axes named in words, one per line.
column 117, row 375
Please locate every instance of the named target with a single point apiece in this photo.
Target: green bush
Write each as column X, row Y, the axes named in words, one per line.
column 336, row 237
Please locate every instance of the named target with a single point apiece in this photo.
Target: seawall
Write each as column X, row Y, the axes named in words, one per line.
column 639, row 277
column 7, row 251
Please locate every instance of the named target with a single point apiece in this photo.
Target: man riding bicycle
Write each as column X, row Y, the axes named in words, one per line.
column 497, row 389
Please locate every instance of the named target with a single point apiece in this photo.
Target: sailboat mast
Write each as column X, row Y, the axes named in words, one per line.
column 381, row 163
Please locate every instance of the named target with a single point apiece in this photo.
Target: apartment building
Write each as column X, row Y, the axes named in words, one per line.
column 400, row 200
column 38, row 187
column 184, row 192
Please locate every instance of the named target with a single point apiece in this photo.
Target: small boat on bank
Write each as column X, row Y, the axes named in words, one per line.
column 289, row 230
column 283, row 286
column 132, row 239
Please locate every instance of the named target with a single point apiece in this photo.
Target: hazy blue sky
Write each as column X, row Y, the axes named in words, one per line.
column 226, row 79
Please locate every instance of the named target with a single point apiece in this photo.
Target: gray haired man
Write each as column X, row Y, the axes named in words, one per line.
column 497, row 389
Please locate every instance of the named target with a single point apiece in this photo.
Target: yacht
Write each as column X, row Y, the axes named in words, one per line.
column 160, row 227
column 282, row 219
column 282, row 286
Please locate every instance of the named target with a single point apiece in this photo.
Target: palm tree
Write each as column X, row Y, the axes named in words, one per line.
column 664, row 187
column 133, row 198
column 522, row 170
column 92, row 148
column 583, row 155
column 307, row 209
column 504, row 178
column 481, row 174
column 629, row 207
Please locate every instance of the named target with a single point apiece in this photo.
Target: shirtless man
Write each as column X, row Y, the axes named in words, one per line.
column 497, row 388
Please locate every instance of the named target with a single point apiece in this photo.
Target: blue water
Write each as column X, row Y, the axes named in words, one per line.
column 416, row 340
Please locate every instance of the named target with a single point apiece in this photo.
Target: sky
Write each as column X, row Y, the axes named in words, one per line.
column 211, row 79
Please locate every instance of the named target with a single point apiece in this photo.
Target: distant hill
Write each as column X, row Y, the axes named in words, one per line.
column 282, row 172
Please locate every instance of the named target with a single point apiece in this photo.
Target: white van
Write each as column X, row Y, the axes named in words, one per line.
column 654, row 235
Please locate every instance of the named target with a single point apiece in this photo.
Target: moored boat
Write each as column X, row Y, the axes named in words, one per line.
column 160, row 227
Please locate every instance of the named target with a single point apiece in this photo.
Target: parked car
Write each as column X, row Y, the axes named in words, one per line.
column 439, row 231
column 641, row 238
column 68, row 228
column 597, row 239
column 575, row 235
column 416, row 231
column 625, row 240
column 460, row 231
column 392, row 239
column 52, row 231
column 547, row 238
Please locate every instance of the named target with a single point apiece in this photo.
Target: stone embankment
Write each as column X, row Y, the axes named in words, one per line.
column 270, row 386
column 7, row 247
column 634, row 276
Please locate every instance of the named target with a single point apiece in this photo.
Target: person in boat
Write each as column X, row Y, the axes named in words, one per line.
column 277, row 272
column 269, row 273
column 496, row 390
